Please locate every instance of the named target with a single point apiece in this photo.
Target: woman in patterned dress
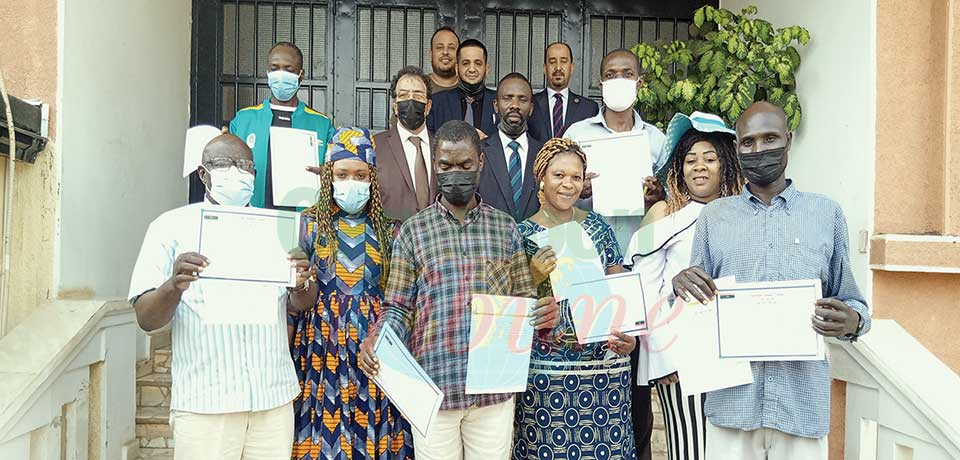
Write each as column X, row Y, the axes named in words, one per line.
column 340, row 414
column 577, row 403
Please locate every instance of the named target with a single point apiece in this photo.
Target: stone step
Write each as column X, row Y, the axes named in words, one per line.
column 153, row 390
column 159, row 415
column 156, row 454
column 155, row 435
column 161, row 360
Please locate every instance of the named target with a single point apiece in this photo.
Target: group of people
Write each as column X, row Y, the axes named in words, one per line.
column 413, row 221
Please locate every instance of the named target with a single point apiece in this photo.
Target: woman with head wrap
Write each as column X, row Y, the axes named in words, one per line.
column 341, row 414
column 703, row 166
column 577, row 402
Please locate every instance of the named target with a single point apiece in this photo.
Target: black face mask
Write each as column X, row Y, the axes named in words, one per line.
column 458, row 187
column 410, row 113
column 471, row 89
column 762, row 168
column 512, row 130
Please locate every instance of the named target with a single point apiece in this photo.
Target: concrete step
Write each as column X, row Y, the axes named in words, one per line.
column 156, row 454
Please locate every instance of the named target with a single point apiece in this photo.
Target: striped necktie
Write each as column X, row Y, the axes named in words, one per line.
column 557, row 115
column 515, row 170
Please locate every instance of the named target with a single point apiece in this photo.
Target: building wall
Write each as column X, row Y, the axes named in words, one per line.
column 125, row 99
column 30, row 35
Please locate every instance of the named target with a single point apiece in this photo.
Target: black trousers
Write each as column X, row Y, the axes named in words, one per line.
column 642, row 412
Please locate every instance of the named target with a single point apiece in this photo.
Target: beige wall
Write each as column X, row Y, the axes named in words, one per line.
column 28, row 60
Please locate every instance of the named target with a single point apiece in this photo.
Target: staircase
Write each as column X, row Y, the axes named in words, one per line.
column 153, row 401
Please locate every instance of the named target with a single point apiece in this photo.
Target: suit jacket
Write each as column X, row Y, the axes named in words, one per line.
column 495, row 179
column 541, row 122
column 446, row 107
column 396, row 179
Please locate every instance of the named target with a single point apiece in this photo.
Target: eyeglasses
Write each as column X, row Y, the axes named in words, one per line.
column 227, row 163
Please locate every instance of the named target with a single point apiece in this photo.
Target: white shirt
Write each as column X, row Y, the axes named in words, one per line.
column 217, row 367
column 507, row 151
column 551, row 101
column 410, row 151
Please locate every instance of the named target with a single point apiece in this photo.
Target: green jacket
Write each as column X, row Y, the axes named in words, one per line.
column 252, row 125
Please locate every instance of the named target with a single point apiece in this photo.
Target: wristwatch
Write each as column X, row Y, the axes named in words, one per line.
column 856, row 334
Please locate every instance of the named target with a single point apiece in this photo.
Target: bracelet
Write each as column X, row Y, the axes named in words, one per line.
column 301, row 289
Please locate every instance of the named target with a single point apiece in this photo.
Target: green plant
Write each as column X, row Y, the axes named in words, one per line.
column 729, row 62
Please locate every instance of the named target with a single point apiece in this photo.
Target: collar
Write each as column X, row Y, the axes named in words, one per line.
column 564, row 92
column 786, row 198
column 522, row 140
column 406, row 134
column 268, row 107
column 638, row 123
column 472, row 215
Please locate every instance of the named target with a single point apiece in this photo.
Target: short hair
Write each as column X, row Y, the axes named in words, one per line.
column 443, row 29
column 569, row 50
column 456, row 131
column 618, row 51
column 516, row 75
column 409, row 71
column 289, row 45
column 474, row 43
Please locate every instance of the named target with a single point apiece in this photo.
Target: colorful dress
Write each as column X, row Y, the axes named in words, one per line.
column 577, row 403
column 340, row 414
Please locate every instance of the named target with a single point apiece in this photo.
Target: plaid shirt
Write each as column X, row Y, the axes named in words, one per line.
column 799, row 236
column 437, row 265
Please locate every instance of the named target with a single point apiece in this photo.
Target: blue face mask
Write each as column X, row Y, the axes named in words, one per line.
column 351, row 195
column 283, row 84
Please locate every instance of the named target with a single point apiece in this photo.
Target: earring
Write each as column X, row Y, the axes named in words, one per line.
column 723, row 189
column 540, row 193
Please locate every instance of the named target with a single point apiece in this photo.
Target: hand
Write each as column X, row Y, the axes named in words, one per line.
column 622, row 344
column 368, row 362
column 652, row 191
column 694, row 282
column 587, row 191
column 318, row 170
column 833, row 318
column 546, row 314
column 186, row 269
column 672, row 378
column 542, row 264
column 224, row 130
column 305, row 270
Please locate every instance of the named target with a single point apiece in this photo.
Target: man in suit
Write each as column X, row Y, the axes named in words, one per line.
column 443, row 60
column 506, row 181
column 407, row 182
column 472, row 101
column 556, row 107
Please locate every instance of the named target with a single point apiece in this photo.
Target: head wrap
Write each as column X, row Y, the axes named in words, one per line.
column 352, row 143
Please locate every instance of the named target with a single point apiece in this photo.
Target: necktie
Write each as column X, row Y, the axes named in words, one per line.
column 515, row 170
column 468, row 113
column 421, row 184
column 557, row 115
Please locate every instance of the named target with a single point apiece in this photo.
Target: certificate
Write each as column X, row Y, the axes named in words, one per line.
column 694, row 353
column 498, row 360
column 291, row 151
column 249, row 244
column 768, row 321
column 407, row 385
column 577, row 258
column 621, row 161
column 614, row 302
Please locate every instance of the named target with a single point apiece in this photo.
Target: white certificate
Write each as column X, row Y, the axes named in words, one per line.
column 291, row 151
column 577, row 258
column 232, row 302
column 621, row 161
column 249, row 244
column 612, row 303
column 693, row 351
column 407, row 385
column 501, row 336
column 769, row 321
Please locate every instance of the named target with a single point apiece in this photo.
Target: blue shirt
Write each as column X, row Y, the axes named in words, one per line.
column 799, row 236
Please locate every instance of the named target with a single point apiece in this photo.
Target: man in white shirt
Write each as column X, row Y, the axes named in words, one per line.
column 506, row 181
column 233, row 379
column 556, row 108
column 404, row 161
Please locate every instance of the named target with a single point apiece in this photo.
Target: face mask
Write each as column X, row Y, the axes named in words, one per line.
column 458, row 187
column 619, row 94
column 513, row 130
column 231, row 187
column 762, row 168
column 351, row 195
column 283, row 84
column 471, row 89
column 410, row 113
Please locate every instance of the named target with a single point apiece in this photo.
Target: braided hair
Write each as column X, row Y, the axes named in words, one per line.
column 550, row 150
column 326, row 207
column 731, row 182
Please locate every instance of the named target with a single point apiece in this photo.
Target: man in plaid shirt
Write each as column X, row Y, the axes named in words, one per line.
column 457, row 247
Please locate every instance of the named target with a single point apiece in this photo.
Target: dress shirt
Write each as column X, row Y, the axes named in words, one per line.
column 410, row 151
column 799, row 236
column 217, row 368
column 551, row 101
column 507, row 151
column 436, row 266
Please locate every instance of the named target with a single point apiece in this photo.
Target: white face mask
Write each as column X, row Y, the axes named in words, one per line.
column 351, row 195
column 231, row 187
column 619, row 94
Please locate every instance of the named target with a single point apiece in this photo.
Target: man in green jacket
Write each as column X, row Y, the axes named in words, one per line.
column 283, row 109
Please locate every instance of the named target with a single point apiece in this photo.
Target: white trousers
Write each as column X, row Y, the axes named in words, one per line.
column 477, row 433
column 262, row 435
column 762, row 444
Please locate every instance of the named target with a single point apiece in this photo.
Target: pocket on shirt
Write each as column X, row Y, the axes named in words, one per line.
column 496, row 273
